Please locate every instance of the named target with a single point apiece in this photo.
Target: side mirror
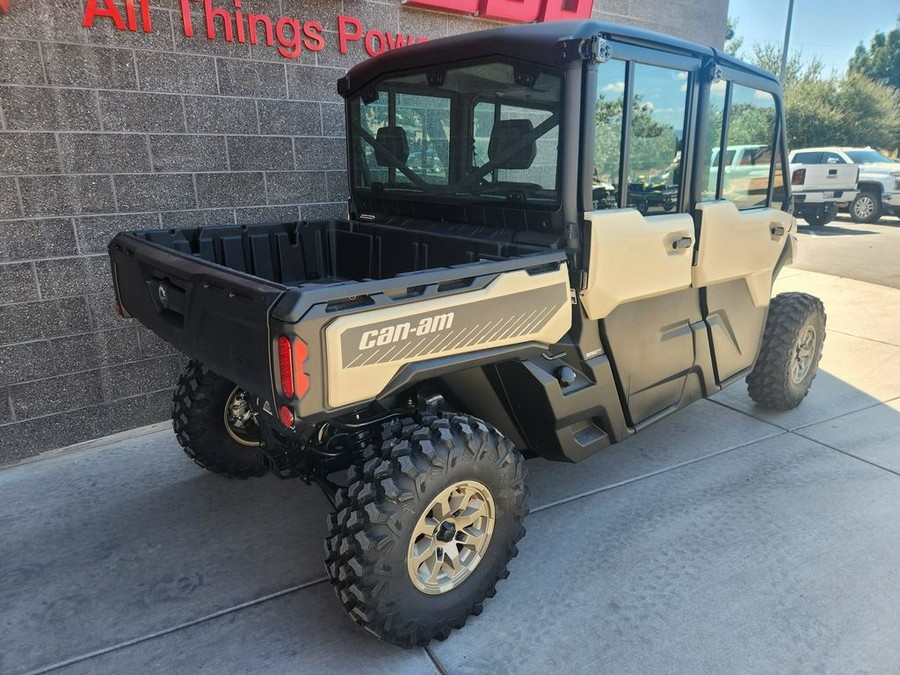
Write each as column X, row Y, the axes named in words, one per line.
column 831, row 160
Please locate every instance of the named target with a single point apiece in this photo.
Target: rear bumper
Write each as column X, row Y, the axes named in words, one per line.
column 825, row 197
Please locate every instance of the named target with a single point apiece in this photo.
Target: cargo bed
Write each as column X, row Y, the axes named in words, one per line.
column 221, row 294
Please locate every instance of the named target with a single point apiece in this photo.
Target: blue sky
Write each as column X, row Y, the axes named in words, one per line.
column 829, row 29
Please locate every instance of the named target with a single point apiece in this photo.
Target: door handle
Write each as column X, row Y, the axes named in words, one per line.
column 682, row 243
column 777, row 230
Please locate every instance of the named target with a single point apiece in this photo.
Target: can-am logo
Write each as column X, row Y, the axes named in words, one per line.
column 518, row 11
column 403, row 331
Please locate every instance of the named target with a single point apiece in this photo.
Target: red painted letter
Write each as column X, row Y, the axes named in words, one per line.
column 109, row 11
column 345, row 36
column 461, row 6
column 566, row 9
column 521, row 11
column 186, row 18
column 313, row 41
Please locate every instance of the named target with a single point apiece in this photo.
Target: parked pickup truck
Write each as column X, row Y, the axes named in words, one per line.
column 477, row 308
column 822, row 184
column 878, row 183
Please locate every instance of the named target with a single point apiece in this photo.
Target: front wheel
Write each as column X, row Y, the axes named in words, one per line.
column 866, row 208
column 423, row 533
column 789, row 355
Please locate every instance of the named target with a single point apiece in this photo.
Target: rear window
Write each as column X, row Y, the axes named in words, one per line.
column 807, row 158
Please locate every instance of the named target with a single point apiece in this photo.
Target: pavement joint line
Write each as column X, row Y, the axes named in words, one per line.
column 436, row 661
column 844, row 414
column 863, row 337
column 629, row 481
column 849, row 454
column 166, row 631
column 752, row 417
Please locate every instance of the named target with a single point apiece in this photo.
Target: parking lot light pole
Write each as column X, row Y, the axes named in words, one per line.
column 787, row 39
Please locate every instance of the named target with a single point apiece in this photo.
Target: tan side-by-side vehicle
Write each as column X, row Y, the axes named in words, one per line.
column 541, row 258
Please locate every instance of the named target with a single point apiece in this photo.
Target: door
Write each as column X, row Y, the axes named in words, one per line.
column 740, row 227
column 640, row 237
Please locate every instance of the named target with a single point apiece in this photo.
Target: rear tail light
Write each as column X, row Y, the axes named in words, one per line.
column 285, row 367
column 294, row 382
column 798, row 177
column 286, row 416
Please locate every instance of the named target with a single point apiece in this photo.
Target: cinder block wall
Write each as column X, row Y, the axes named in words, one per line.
column 103, row 130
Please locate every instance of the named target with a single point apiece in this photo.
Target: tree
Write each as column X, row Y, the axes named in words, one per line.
column 767, row 56
column 881, row 61
column 733, row 41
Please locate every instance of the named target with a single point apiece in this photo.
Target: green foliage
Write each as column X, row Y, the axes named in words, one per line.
column 733, row 41
column 881, row 61
column 767, row 56
column 652, row 142
column 821, row 111
column 751, row 125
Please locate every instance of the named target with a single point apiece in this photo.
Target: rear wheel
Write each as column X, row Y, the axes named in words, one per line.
column 790, row 351
column 821, row 216
column 214, row 424
column 866, row 208
column 423, row 533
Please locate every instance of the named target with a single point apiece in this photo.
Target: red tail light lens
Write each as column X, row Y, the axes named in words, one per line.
column 286, row 416
column 798, row 177
column 285, row 367
column 302, row 378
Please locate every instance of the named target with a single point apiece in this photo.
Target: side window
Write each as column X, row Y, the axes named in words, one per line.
column 713, row 141
column 779, row 195
column 808, row 158
column 751, row 135
column 608, row 135
column 657, row 128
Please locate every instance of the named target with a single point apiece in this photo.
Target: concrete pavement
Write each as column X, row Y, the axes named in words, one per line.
column 724, row 539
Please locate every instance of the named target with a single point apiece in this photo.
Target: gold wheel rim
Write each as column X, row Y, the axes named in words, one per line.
column 804, row 350
column 451, row 537
column 236, row 411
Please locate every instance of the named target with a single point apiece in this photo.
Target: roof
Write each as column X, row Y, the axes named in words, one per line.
column 534, row 42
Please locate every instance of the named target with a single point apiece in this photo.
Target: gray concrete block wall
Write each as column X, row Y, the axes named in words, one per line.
column 104, row 130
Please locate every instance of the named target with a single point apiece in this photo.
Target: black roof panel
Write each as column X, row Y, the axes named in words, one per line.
column 535, row 42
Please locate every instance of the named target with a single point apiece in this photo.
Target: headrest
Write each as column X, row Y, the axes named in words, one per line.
column 394, row 140
column 506, row 134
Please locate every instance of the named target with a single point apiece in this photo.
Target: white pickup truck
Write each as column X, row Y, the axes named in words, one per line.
column 878, row 183
column 821, row 182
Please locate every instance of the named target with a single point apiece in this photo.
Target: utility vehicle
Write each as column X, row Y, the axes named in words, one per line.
column 476, row 307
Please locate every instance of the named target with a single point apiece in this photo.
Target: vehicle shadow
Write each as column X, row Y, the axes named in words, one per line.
column 131, row 540
column 830, row 230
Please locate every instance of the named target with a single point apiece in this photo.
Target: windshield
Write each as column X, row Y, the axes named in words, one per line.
column 485, row 131
column 867, row 157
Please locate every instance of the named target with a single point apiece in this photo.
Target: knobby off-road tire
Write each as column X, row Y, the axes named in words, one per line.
column 790, row 352
column 200, row 419
column 389, row 499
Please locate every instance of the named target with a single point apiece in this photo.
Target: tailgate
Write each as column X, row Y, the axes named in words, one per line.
column 826, row 177
column 214, row 314
column 377, row 337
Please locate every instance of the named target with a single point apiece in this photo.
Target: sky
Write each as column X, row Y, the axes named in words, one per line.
column 829, row 29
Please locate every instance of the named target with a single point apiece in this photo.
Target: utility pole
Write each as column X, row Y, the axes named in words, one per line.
column 787, row 40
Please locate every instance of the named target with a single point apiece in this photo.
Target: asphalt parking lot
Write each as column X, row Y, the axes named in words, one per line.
column 724, row 539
